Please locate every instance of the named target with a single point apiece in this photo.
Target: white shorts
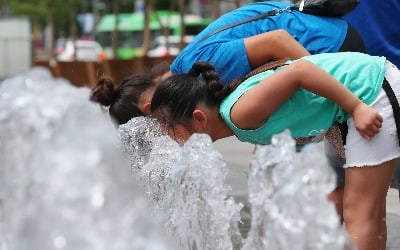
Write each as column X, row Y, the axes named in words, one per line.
column 384, row 146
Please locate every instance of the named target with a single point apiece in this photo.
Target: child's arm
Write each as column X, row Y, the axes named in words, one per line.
column 254, row 107
column 272, row 45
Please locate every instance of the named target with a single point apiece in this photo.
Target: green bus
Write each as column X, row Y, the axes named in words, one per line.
column 131, row 25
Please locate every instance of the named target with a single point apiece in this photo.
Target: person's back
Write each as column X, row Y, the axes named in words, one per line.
column 226, row 49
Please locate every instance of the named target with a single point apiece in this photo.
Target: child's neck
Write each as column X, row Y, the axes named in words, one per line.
column 220, row 129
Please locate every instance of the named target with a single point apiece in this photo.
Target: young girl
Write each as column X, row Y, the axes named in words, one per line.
column 304, row 98
column 131, row 97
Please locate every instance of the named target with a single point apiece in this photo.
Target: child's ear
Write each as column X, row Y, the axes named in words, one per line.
column 147, row 108
column 199, row 120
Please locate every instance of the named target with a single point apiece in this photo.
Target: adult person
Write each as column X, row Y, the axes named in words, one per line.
column 375, row 20
column 234, row 52
column 304, row 98
column 237, row 50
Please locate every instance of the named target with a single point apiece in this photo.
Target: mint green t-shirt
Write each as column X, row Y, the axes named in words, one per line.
column 306, row 114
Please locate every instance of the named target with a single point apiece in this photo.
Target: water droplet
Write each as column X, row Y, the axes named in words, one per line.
column 59, row 242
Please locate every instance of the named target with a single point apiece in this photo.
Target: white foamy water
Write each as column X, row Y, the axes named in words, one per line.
column 186, row 184
column 287, row 192
column 64, row 183
column 288, row 196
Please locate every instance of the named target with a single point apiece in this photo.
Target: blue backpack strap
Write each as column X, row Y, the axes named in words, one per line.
column 273, row 12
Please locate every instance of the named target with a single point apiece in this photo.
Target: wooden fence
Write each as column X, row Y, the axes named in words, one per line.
column 86, row 73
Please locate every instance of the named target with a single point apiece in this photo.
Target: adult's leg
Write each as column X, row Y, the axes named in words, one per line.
column 364, row 201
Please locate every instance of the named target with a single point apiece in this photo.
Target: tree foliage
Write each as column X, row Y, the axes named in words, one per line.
column 36, row 10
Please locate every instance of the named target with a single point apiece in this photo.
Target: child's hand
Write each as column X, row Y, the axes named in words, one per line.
column 367, row 121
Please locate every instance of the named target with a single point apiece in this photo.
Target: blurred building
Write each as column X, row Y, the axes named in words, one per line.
column 15, row 46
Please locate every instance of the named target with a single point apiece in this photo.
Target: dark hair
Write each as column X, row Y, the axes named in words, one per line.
column 159, row 69
column 123, row 99
column 176, row 98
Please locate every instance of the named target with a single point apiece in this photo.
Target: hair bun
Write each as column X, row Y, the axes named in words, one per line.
column 209, row 74
column 201, row 68
column 104, row 92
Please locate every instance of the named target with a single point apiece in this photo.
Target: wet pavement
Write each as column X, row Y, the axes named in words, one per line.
column 237, row 154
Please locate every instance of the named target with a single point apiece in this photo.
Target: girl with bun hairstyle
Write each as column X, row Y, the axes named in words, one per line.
column 307, row 96
column 131, row 97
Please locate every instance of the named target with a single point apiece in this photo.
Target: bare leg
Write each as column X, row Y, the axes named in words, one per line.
column 364, row 199
column 382, row 227
column 336, row 163
column 336, row 197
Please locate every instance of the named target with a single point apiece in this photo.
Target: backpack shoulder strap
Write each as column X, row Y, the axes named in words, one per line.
column 273, row 12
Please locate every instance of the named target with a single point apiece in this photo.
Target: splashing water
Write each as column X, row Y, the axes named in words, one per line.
column 137, row 136
column 64, row 183
column 288, row 196
column 287, row 192
column 186, row 184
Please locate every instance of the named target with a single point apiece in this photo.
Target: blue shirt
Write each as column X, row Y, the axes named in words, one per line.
column 307, row 114
column 378, row 23
column 226, row 51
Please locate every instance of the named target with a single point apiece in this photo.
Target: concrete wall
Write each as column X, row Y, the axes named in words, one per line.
column 86, row 73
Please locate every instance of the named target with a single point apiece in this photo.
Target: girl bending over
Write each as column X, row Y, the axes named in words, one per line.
column 307, row 96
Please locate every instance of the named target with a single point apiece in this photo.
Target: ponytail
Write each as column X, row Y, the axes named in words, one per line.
column 211, row 78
